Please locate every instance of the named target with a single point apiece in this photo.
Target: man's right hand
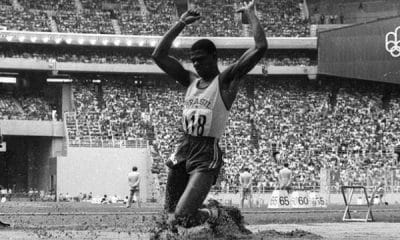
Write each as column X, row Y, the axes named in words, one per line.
column 190, row 16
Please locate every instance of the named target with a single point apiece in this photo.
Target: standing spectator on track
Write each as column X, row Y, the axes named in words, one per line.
column 2, row 224
column 9, row 193
column 133, row 181
column 3, row 193
column 31, row 195
column 246, row 181
column 285, row 178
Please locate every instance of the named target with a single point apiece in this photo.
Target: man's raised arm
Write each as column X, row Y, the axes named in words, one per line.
column 161, row 53
column 251, row 57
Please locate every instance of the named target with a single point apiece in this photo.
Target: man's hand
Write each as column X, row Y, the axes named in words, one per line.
column 246, row 7
column 190, row 16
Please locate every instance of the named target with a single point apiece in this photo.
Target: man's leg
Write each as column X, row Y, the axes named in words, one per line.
column 188, row 207
column 176, row 183
column 128, row 204
column 137, row 193
column 250, row 199
column 289, row 189
column 242, row 193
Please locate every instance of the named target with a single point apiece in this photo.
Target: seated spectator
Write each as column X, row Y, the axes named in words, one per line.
column 105, row 199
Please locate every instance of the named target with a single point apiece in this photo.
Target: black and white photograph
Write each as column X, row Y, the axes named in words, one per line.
column 200, row 119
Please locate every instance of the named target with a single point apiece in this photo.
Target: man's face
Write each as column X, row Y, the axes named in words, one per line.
column 203, row 62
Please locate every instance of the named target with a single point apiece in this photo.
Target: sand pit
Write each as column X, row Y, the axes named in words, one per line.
column 229, row 225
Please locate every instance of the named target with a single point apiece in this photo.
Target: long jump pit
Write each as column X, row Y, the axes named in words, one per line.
column 88, row 221
column 384, row 231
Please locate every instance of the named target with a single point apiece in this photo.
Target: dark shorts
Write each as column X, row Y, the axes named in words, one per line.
column 200, row 154
column 246, row 192
column 194, row 154
column 287, row 188
column 134, row 189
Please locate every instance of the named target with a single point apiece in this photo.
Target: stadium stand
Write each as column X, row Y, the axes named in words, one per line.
column 9, row 108
column 28, row 106
column 5, row 3
column 283, row 19
column 35, row 108
column 351, row 11
column 86, row 22
column 280, row 18
column 221, row 22
column 21, row 20
column 62, row 5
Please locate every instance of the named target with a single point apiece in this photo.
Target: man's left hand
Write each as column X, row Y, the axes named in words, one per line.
column 246, row 7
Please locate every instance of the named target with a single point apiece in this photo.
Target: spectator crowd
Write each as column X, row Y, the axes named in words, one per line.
column 30, row 106
column 353, row 130
column 283, row 18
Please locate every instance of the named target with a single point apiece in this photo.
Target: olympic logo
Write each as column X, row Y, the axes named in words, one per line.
column 392, row 42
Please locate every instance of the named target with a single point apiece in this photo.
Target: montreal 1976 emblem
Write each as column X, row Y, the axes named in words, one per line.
column 392, row 42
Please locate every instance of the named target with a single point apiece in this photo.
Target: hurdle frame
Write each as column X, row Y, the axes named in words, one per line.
column 346, row 215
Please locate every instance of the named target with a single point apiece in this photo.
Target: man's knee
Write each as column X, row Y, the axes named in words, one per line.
column 183, row 212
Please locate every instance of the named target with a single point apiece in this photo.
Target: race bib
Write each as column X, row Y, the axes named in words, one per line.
column 197, row 122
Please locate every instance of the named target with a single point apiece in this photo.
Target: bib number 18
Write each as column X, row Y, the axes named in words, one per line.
column 195, row 124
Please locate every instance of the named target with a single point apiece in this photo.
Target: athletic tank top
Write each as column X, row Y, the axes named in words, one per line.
column 204, row 111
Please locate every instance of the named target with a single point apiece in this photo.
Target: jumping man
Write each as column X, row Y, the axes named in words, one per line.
column 209, row 97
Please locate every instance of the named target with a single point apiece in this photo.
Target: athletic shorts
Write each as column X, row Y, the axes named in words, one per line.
column 246, row 192
column 134, row 189
column 200, row 154
column 287, row 188
column 194, row 154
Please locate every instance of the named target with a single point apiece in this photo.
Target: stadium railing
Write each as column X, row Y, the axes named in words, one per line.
column 109, row 143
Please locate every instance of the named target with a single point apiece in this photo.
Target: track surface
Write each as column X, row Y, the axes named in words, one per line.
column 49, row 220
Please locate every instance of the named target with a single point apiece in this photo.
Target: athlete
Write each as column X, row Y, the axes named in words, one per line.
column 246, row 180
column 209, row 97
column 133, row 181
